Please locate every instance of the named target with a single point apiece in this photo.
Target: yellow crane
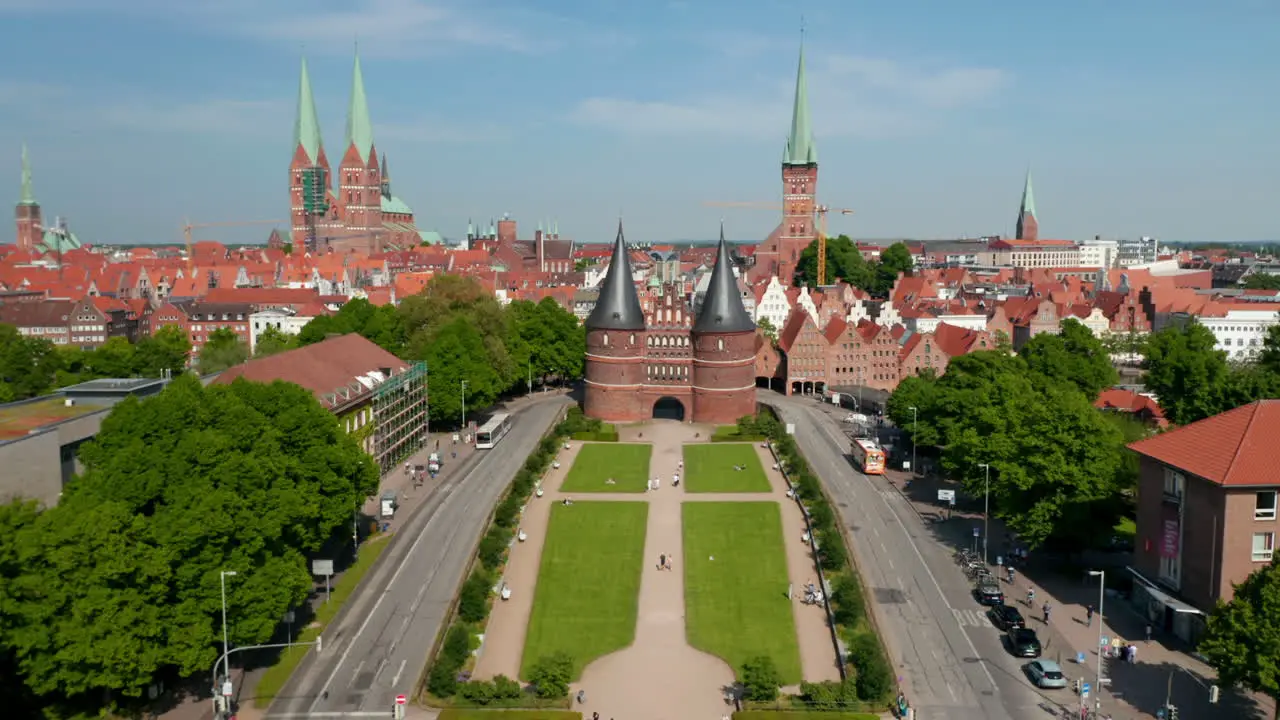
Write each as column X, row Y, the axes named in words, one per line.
column 820, row 214
column 188, row 226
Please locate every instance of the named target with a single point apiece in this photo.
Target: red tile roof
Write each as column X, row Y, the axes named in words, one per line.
column 1233, row 449
column 329, row 368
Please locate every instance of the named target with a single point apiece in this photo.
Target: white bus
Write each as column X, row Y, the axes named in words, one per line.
column 868, row 457
column 493, row 431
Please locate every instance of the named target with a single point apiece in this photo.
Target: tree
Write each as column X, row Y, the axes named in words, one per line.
column 457, row 353
column 551, row 675
column 272, row 340
column 380, row 324
column 168, row 349
column 1188, row 375
column 223, row 349
column 119, row 582
column 1262, row 281
column 844, row 261
column 1242, row 637
column 28, row 366
column 766, row 327
column 1074, row 356
column 1269, row 358
column 760, row 679
column 894, row 260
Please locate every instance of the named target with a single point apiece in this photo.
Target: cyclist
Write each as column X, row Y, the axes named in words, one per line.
column 1031, row 597
column 1010, row 571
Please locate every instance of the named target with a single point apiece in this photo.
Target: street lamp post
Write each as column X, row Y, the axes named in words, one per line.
column 986, row 511
column 222, row 579
column 1102, row 594
column 464, row 405
column 915, row 420
column 531, row 377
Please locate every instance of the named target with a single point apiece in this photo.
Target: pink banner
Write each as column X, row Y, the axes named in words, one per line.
column 1169, row 539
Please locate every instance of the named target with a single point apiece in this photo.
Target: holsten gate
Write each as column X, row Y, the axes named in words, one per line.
column 660, row 360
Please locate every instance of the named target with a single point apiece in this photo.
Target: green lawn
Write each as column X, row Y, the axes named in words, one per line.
column 627, row 464
column 735, row 593
column 456, row 714
column 796, row 715
column 589, row 582
column 709, row 469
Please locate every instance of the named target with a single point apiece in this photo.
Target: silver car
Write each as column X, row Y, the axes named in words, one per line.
column 1046, row 674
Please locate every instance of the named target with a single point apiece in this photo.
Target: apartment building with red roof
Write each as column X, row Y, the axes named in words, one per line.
column 1208, row 513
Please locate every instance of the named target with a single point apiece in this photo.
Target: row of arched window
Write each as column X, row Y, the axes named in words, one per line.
column 668, row 341
column 668, row 372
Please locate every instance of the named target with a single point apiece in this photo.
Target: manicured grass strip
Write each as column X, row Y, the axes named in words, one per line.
column 627, row 464
column 589, row 582
column 456, row 714
column 274, row 677
column 709, row 468
column 799, row 715
column 735, row 584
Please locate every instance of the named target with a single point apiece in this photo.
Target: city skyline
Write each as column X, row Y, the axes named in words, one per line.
column 582, row 114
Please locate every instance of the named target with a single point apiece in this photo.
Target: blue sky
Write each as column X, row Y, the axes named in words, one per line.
column 1137, row 117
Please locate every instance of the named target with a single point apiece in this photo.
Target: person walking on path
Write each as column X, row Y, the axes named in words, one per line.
column 1088, row 615
column 1046, row 613
column 1148, row 633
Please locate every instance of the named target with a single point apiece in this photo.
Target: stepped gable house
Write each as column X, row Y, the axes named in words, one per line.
column 669, row 362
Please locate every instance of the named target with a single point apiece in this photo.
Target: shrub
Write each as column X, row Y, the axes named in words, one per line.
column 457, row 645
column 493, row 547
column 473, row 598
column 760, row 679
column 504, row 688
column 479, row 692
column 821, row 516
column 551, row 674
column 442, row 681
column 829, row 695
column 850, row 605
column 508, row 511
column 874, row 679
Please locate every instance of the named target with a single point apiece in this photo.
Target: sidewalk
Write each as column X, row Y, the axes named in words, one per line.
column 1163, row 670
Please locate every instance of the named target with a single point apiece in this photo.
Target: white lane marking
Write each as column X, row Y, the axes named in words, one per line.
column 928, row 571
column 396, row 680
column 355, row 674
column 890, row 561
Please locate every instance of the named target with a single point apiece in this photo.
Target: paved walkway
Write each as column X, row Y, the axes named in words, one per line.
column 1164, row 670
column 658, row 677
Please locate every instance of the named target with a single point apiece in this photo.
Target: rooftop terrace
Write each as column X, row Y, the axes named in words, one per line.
column 19, row 419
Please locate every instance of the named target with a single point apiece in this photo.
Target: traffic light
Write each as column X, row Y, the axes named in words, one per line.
column 1215, row 693
column 1173, row 712
column 1075, row 685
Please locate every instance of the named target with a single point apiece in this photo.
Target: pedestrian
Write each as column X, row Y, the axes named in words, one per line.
column 1010, row 571
column 595, row 716
column 1046, row 613
column 1088, row 613
column 662, row 562
column 1148, row 633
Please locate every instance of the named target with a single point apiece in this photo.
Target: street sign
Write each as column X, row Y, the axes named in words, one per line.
column 1084, row 690
column 791, row 428
column 321, row 567
column 975, row 532
column 227, row 691
column 1104, row 641
column 1080, row 658
column 947, row 496
column 401, row 699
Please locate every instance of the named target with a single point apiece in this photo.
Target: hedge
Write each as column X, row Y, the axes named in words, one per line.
column 445, row 679
column 870, row 678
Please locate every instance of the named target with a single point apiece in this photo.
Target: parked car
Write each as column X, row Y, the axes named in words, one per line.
column 1006, row 617
column 1046, row 674
column 1024, row 643
column 989, row 593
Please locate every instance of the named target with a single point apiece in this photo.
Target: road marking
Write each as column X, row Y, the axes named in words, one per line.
column 396, row 680
column 355, row 674
column 971, row 618
column 890, row 561
column 928, row 571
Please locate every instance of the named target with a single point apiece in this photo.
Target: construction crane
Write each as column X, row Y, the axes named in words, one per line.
column 820, row 213
column 188, row 226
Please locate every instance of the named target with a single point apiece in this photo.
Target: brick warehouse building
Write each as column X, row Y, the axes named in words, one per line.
column 669, row 363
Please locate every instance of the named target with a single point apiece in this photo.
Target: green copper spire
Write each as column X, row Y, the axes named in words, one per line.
column 28, row 195
column 801, row 149
column 306, row 128
column 1028, row 198
column 359, row 127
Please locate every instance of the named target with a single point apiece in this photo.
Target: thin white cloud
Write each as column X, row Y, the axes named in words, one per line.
column 863, row 97
column 210, row 117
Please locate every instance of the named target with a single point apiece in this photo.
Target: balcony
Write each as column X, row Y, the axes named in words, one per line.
column 1171, row 497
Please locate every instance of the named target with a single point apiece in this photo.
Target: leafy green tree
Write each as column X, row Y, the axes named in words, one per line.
column 114, row 358
column 551, row 675
column 1242, row 640
column 448, row 298
column 766, row 327
column 272, row 340
column 28, row 366
column 168, row 349
column 844, row 261
column 1074, row 356
column 920, row 392
column 760, row 679
column 457, row 354
column 223, row 349
column 381, row 325
column 1269, row 357
column 1189, row 377
column 894, row 260
column 1262, row 281
column 119, row 583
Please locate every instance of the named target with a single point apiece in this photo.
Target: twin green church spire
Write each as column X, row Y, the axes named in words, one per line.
column 306, row 127
column 801, row 149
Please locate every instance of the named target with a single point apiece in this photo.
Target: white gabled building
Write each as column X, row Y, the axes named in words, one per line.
column 773, row 305
column 1240, row 327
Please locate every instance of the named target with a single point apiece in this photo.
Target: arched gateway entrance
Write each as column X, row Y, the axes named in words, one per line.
column 668, row 408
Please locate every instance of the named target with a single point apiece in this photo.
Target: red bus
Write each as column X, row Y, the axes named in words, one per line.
column 868, row 457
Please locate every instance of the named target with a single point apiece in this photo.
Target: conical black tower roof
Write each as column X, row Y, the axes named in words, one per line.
column 722, row 309
column 618, row 307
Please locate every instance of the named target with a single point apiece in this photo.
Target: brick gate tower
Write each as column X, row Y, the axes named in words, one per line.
column 780, row 252
column 641, row 365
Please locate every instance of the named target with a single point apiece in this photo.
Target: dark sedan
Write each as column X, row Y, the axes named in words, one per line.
column 1024, row 643
column 1006, row 617
column 989, row 593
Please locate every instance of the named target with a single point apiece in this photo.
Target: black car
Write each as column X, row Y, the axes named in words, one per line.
column 1006, row 617
column 1024, row 643
column 989, row 593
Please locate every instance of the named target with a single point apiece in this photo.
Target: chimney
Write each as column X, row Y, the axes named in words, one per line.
column 540, row 239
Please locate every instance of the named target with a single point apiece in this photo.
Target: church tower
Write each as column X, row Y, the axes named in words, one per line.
column 799, row 182
column 308, row 170
column 359, row 175
column 1028, row 228
column 27, row 212
column 724, row 349
column 616, row 344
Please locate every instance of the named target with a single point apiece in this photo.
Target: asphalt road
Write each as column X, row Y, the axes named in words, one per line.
column 952, row 661
column 379, row 643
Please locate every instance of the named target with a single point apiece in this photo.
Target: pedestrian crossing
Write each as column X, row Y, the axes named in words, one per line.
column 971, row 618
